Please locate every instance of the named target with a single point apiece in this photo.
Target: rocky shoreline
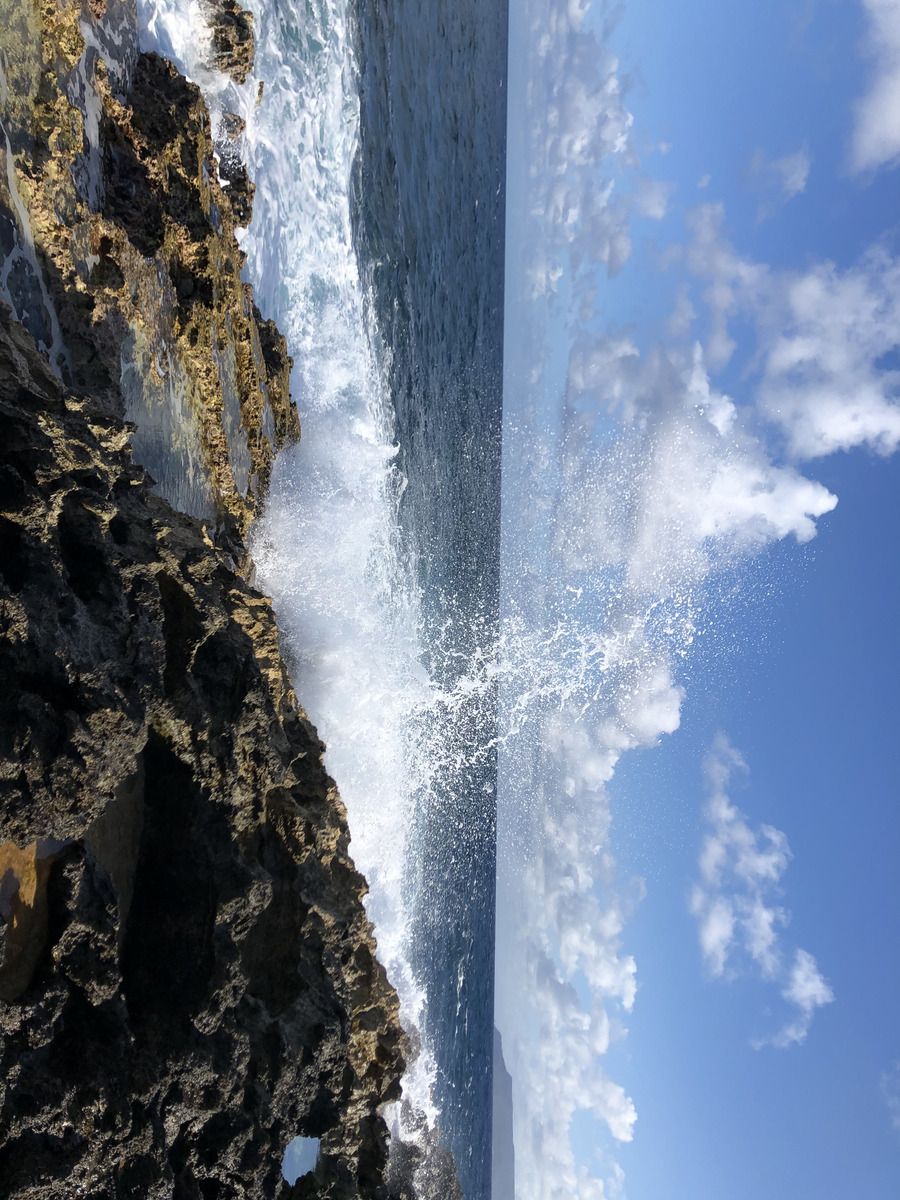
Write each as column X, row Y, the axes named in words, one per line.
column 187, row 975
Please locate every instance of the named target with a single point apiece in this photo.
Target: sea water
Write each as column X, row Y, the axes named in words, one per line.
column 428, row 217
column 377, row 150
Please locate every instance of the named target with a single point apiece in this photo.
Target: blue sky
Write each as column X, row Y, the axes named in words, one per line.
column 815, row 712
column 742, row 266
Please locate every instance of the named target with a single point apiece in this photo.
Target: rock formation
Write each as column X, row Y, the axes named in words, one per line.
column 187, row 974
column 120, row 255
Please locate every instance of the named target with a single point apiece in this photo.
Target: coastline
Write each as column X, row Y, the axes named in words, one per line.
column 188, row 974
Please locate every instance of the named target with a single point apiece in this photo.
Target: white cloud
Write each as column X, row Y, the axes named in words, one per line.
column 635, row 522
column 780, row 179
column 823, row 337
column 793, row 170
column 685, row 488
column 704, row 181
column 876, row 136
column 716, row 928
column 732, row 281
column 736, row 902
column 649, row 482
column 580, row 139
column 682, row 316
column 807, row 990
column 652, row 199
column 822, row 381
column 890, row 1090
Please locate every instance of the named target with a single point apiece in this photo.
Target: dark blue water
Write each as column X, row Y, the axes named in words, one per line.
column 428, row 211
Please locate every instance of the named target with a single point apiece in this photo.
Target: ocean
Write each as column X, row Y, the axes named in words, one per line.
column 377, row 245
column 428, row 218
column 428, row 209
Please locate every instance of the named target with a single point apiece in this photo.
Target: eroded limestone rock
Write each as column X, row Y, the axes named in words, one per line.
column 117, row 252
column 189, row 979
column 234, row 46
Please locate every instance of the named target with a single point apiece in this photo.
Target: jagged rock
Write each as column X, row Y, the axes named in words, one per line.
column 232, row 172
column 421, row 1168
column 234, row 47
column 187, row 975
column 189, row 978
column 122, row 257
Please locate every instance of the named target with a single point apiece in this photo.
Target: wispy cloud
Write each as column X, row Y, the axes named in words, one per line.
column 575, row 85
column 821, row 371
column 646, row 482
column 780, row 179
column 876, row 136
column 652, row 198
column 737, row 902
column 823, row 380
column 693, row 487
column 890, row 1090
column 807, row 991
column 637, row 523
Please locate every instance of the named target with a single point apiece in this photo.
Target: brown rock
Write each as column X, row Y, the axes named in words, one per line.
column 190, row 978
column 234, row 47
column 125, row 267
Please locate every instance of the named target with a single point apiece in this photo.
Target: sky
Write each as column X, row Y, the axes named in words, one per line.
column 698, row 828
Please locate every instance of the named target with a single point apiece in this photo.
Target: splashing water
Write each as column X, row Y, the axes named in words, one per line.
column 617, row 521
column 328, row 547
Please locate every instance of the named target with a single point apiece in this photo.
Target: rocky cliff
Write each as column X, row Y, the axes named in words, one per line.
column 187, row 974
column 119, row 250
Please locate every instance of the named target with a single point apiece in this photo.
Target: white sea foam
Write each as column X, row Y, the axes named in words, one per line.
column 326, row 547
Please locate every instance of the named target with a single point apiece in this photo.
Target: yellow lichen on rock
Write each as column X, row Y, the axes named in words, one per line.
column 112, row 207
column 23, row 914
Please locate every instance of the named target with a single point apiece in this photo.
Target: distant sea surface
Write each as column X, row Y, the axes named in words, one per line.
column 428, row 212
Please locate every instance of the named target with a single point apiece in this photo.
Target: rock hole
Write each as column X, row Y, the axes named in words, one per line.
column 81, row 547
column 168, row 952
column 299, row 1159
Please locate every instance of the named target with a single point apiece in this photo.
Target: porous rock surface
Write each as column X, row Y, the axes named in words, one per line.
column 118, row 251
column 187, row 974
column 234, row 46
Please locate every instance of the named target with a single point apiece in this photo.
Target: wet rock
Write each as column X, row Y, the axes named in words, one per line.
column 188, row 979
column 125, row 265
column 234, row 47
column 232, row 172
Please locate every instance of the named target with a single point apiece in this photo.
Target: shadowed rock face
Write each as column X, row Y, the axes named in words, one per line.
column 188, row 976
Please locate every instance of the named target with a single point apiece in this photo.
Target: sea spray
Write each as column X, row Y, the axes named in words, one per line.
column 380, row 546
column 327, row 548
column 428, row 221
